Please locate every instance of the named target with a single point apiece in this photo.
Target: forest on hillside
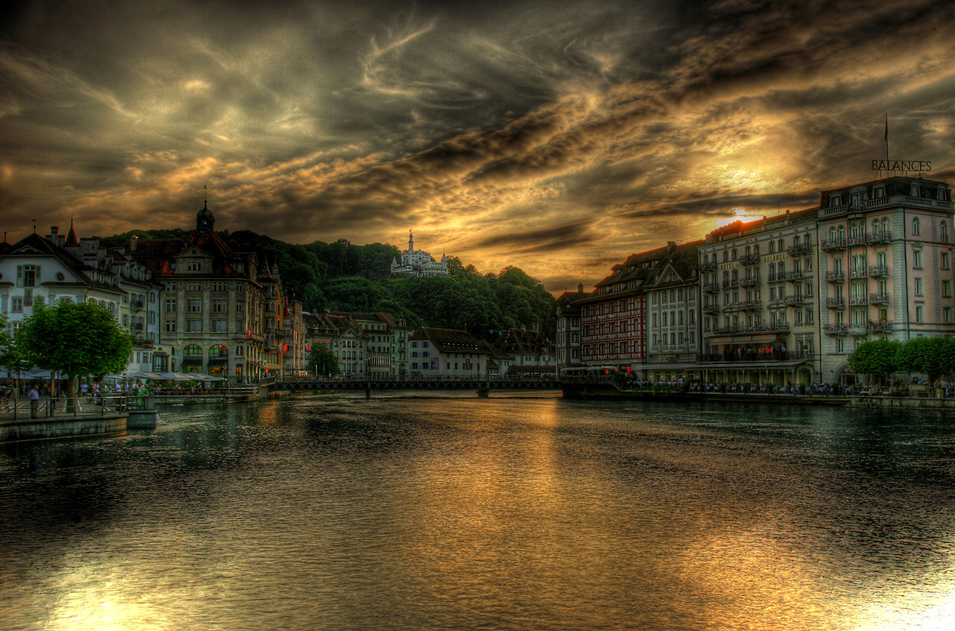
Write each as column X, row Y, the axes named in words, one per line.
column 341, row 276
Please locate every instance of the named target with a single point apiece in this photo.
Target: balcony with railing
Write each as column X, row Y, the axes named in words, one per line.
column 881, row 326
column 711, row 288
column 836, row 277
column 858, row 330
column 858, row 239
column 749, row 281
column 858, row 301
column 136, row 305
column 858, row 273
column 833, row 245
column 730, row 307
column 878, row 299
column 707, row 267
column 880, row 271
column 835, row 329
column 751, row 305
column 726, row 284
column 795, row 301
column 750, row 259
column 795, row 276
column 733, row 354
column 836, row 303
column 711, row 308
column 878, row 237
column 752, row 329
column 799, row 250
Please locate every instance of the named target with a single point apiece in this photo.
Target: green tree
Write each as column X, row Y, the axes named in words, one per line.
column 76, row 339
column 878, row 358
column 322, row 361
column 930, row 356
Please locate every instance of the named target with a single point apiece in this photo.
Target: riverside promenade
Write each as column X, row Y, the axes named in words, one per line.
column 60, row 418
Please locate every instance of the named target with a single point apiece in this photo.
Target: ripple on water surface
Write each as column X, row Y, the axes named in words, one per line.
column 460, row 513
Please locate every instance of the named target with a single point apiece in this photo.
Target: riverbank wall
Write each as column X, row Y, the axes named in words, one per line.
column 606, row 391
column 58, row 427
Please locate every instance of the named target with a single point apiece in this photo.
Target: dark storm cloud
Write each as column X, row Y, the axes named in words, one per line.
column 557, row 136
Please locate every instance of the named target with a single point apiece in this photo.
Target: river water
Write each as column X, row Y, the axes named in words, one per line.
column 499, row 513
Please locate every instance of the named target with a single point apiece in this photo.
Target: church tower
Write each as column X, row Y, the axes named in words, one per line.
column 205, row 222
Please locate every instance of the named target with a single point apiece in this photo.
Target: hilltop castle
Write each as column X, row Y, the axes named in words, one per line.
column 418, row 263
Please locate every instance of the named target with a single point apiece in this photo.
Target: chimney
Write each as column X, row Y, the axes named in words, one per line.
column 580, row 288
column 671, row 247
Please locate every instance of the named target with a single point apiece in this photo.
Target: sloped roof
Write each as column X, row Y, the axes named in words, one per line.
column 449, row 340
column 522, row 342
column 35, row 244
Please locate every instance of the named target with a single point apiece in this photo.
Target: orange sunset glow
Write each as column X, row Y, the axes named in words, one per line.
column 559, row 137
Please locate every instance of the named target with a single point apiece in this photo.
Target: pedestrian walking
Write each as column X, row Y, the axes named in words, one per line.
column 34, row 397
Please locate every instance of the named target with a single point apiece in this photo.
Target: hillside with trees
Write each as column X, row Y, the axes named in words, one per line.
column 341, row 276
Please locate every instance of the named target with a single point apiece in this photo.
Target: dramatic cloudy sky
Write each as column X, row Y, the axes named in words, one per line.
column 556, row 136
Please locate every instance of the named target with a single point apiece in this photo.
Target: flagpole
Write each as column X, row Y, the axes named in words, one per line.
column 887, row 142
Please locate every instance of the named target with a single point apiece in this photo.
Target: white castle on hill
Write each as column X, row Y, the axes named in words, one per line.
column 418, row 263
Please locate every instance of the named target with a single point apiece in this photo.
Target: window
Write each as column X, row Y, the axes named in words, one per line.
column 28, row 275
column 918, row 286
column 947, row 315
column 840, row 345
column 919, row 313
column 170, row 326
column 219, row 305
column 194, row 326
column 947, row 288
column 239, row 306
column 193, row 266
column 16, row 304
column 917, row 258
column 943, row 232
column 170, row 306
column 218, row 326
column 945, row 263
column 194, row 306
column 916, row 226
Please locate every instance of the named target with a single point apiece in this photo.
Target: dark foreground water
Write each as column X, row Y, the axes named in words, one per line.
column 465, row 513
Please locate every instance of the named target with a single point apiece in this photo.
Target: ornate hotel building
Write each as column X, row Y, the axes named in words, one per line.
column 223, row 312
column 785, row 299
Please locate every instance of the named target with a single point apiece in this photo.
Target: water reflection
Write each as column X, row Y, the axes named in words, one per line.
column 502, row 513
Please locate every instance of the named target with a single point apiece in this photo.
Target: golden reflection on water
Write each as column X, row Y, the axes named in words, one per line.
column 745, row 575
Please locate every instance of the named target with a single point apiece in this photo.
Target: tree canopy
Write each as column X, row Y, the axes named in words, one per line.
column 74, row 338
column 931, row 356
column 879, row 358
column 322, row 361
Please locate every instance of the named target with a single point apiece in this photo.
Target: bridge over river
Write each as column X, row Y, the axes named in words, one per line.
column 482, row 386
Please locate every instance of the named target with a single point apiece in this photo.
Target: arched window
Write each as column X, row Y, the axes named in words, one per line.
column 218, row 351
column 885, row 226
column 841, row 232
column 832, row 233
column 916, row 227
column 192, row 351
column 875, row 226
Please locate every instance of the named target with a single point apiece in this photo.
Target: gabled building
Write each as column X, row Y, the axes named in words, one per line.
column 528, row 351
column 446, row 353
column 387, row 343
column 672, row 310
column 61, row 268
column 341, row 335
